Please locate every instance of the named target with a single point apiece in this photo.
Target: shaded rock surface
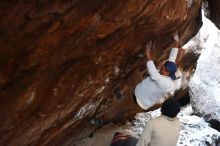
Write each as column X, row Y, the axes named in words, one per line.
column 212, row 9
column 61, row 60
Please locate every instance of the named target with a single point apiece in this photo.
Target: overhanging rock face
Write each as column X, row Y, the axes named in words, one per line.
column 212, row 9
column 61, row 60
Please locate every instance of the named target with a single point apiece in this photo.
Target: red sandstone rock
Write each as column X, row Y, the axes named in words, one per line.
column 212, row 11
column 61, row 60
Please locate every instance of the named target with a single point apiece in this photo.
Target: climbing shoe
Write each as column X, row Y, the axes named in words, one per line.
column 118, row 93
column 97, row 122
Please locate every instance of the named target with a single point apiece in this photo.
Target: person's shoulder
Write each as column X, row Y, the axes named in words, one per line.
column 167, row 79
column 157, row 119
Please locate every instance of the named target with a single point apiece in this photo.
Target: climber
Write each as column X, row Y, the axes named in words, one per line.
column 158, row 84
column 147, row 92
column 163, row 130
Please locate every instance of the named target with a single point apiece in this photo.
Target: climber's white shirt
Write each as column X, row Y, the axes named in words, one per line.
column 150, row 90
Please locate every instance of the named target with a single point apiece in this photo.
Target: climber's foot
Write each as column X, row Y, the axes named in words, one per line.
column 97, row 122
column 118, row 93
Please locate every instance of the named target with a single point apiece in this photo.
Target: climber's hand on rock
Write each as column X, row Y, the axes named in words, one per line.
column 176, row 38
column 149, row 46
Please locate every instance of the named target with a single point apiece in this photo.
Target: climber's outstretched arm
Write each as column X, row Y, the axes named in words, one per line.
column 149, row 46
column 152, row 70
column 176, row 54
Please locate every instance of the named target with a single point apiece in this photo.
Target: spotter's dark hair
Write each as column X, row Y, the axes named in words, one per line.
column 170, row 108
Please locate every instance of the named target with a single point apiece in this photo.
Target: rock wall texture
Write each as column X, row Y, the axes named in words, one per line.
column 204, row 86
column 61, row 60
column 212, row 9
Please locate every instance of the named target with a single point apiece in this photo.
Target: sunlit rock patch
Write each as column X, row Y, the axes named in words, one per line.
column 205, row 83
